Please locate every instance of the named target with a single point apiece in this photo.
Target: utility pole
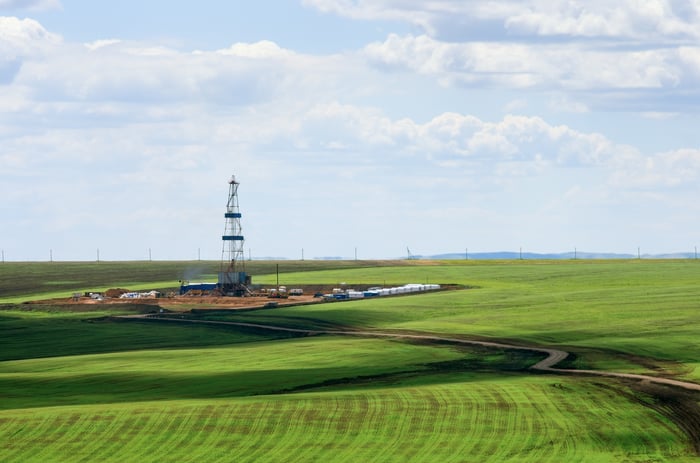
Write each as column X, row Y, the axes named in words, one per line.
column 355, row 253
column 199, row 255
column 149, row 255
column 3, row 255
column 50, row 255
column 302, row 253
column 639, row 253
column 521, row 253
column 98, row 255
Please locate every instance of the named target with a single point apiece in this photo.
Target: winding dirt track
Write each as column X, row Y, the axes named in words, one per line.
column 554, row 356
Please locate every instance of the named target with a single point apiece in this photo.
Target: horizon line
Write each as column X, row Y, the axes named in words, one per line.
column 483, row 255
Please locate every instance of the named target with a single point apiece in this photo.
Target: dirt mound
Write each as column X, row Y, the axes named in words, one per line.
column 116, row 292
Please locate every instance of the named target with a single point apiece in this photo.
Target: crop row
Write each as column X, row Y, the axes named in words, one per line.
column 512, row 418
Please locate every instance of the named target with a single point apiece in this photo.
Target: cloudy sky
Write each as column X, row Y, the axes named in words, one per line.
column 374, row 125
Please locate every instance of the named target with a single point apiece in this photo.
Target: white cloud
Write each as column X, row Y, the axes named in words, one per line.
column 145, row 132
column 97, row 44
column 626, row 19
column 629, row 55
column 114, row 83
column 19, row 37
column 19, row 40
column 112, row 70
column 264, row 49
column 543, row 66
column 515, row 144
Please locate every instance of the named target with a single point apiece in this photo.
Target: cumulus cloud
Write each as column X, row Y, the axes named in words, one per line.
column 111, row 69
column 114, row 83
column 265, row 49
column 150, row 124
column 560, row 19
column 527, row 139
column 97, row 44
column 523, row 66
column 110, row 82
column 119, row 71
column 628, row 55
column 20, row 37
column 626, row 19
column 515, row 145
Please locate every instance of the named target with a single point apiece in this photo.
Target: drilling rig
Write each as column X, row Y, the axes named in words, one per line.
column 233, row 280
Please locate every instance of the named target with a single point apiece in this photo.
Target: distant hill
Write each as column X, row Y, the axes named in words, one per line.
column 510, row 255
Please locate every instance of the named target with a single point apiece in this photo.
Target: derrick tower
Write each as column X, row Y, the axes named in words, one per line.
column 233, row 280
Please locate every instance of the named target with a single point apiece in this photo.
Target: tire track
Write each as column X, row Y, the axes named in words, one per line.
column 554, row 356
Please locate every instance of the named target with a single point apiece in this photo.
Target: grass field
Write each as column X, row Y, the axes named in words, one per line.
column 79, row 386
column 608, row 312
column 455, row 419
column 22, row 281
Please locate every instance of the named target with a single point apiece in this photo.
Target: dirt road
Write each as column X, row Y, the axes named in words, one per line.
column 554, row 356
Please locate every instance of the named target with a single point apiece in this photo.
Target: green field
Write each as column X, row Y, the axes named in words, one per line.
column 81, row 386
column 23, row 281
column 605, row 311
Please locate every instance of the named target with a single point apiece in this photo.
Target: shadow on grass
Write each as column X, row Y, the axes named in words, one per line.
column 28, row 390
column 56, row 336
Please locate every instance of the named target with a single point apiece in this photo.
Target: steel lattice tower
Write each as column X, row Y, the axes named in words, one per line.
column 232, row 250
column 232, row 277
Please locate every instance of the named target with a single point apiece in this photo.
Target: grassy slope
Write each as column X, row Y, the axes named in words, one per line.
column 462, row 418
column 23, row 280
column 412, row 404
column 645, row 308
column 441, row 414
column 35, row 334
column 206, row 372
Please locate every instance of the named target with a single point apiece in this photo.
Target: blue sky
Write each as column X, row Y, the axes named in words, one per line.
column 369, row 125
